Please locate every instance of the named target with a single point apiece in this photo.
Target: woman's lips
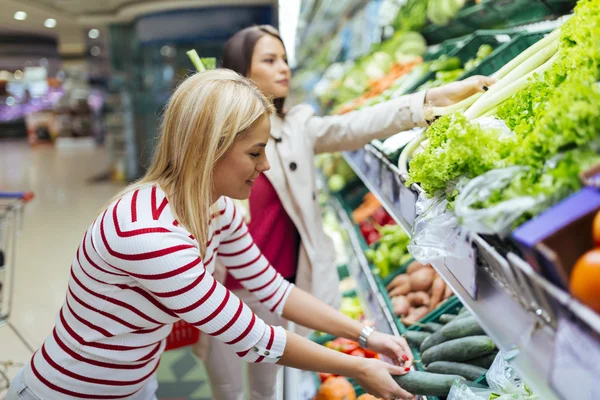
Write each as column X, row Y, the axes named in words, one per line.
column 284, row 82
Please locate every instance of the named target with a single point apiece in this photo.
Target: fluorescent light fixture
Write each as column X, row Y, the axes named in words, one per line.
column 50, row 23
column 20, row 16
column 94, row 33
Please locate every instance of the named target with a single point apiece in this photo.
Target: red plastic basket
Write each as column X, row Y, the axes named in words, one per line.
column 183, row 334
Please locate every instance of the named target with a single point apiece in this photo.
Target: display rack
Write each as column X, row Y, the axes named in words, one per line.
column 300, row 385
column 518, row 308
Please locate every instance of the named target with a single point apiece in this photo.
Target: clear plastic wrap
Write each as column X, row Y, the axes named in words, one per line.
column 436, row 234
column 504, row 384
column 499, row 218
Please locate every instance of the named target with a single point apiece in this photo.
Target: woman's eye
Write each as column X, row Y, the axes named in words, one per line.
column 270, row 61
column 255, row 155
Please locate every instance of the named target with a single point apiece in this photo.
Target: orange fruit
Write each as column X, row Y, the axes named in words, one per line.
column 584, row 283
column 336, row 389
column 367, row 397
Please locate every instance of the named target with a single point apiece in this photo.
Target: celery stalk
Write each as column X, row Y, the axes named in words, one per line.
column 195, row 58
column 529, row 52
column 485, row 103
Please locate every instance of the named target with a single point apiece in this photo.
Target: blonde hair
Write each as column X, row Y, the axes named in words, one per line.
column 202, row 120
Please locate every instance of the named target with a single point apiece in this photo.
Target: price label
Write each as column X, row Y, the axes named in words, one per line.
column 464, row 270
column 575, row 368
column 368, row 161
column 408, row 201
column 387, row 183
column 307, row 387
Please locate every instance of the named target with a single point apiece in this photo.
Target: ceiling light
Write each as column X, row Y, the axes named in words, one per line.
column 95, row 51
column 50, row 23
column 94, row 33
column 20, row 16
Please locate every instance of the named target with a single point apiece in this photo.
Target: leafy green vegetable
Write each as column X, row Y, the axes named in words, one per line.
column 457, row 148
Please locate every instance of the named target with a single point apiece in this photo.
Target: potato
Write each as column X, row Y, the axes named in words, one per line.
column 414, row 267
column 398, row 281
column 400, row 290
column 437, row 292
column 422, row 279
column 417, row 299
column 448, row 292
column 401, row 305
column 415, row 315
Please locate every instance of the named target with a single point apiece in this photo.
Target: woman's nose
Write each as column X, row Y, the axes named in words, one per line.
column 264, row 166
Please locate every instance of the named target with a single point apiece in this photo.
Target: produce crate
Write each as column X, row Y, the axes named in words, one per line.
column 435, row 51
column 480, row 16
column 448, row 304
column 452, row 308
column 505, row 53
column 561, row 6
column 465, row 49
column 437, row 33
column 520, row 12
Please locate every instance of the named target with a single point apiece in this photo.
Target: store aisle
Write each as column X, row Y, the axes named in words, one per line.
column 65, row 204
column 54, row 222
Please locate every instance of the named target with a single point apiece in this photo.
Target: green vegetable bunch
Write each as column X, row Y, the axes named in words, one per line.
column 390, row 252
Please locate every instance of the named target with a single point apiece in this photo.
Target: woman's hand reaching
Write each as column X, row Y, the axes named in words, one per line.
column 394, row 347
column 375, row 376
column 457, row 91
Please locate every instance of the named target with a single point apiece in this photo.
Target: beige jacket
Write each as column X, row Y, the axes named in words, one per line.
column 295, row 140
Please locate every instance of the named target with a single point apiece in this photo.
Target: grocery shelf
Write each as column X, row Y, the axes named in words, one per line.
column 374, row 305
column 518, row 308
column 300, row 385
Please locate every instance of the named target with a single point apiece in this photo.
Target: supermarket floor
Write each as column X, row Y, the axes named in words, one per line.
column 54, row 222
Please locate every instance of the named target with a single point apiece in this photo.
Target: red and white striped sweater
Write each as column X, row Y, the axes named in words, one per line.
column 137, row 272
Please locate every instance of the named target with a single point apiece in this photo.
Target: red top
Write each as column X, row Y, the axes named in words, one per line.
column 273, row 231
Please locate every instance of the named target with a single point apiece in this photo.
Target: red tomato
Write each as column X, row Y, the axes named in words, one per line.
column 358, row 353
column 370, row 354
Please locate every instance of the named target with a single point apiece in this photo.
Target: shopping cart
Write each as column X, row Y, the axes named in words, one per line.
column 11, row 216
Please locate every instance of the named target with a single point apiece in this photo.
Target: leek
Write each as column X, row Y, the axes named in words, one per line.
column 408, row 150
column 195, row 58
column 529, row 52
column 460, row 106
column 496, row 97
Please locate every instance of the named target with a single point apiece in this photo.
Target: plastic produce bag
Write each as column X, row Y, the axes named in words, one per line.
column 503, row 381
column 499, row 218
column 436, row 233
column 463, row 391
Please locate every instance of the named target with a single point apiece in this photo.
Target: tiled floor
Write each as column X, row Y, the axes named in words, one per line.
column 54, row 222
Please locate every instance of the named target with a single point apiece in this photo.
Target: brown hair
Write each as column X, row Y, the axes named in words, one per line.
column 238, row 51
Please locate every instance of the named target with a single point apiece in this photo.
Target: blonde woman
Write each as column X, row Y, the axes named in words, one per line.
column 285, row 214
column 146, row 262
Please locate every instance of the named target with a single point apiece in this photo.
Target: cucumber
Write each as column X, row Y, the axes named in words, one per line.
column 445, row 318
column 432, row 327
column 467, row 371
column 415, row 338
column 459, row 350
column 462, row 327
column 433, row 340
column 485, row 361
column 427, row 383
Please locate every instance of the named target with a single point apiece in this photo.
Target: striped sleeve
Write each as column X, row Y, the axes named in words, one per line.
column 244, row 260
column 166, row 262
